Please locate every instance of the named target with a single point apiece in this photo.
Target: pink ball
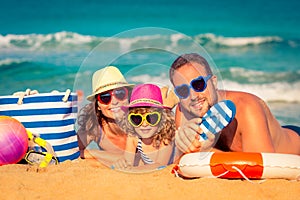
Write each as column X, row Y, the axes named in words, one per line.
column 13, row 140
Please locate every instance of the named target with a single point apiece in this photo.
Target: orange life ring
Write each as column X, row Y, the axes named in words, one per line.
column 236, row 165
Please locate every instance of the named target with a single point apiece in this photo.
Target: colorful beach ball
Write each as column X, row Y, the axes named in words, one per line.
column 13, row 140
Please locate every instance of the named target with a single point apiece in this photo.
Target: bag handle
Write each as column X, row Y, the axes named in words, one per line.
column 32, row 92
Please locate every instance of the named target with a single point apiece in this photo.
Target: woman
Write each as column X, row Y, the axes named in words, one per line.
column 98, row 121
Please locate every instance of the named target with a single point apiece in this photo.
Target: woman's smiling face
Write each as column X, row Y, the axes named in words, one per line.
column 113, row 108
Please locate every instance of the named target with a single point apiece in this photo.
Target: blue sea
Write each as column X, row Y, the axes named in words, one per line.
column 253, row 46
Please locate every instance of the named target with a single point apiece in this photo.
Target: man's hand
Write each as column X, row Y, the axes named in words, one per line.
column 187, row 137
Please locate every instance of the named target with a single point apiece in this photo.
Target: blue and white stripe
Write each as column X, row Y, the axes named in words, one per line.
column 217, row 118
column 50, row 117
column 144, row 157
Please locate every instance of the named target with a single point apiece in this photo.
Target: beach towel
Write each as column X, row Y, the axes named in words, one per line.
column 52, row 116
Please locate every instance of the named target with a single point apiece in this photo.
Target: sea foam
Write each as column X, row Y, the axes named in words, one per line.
column 71, row 39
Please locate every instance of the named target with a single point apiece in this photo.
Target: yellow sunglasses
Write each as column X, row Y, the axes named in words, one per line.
column 137, row 119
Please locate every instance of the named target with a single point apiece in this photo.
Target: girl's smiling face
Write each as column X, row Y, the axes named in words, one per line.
column 146, row 131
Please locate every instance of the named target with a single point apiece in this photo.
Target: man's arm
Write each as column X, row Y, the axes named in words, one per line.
column 254, row 126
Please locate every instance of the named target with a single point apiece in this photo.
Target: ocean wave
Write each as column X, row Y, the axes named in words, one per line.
column 45, row 41
column 249, row 76
column 9, row 61
column 70, row 40
column 236, row 41
column 10, row 65
column 270, row 92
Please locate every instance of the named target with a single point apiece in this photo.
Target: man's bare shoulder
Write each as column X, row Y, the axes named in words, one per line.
column 247, row 105
column 241, row 98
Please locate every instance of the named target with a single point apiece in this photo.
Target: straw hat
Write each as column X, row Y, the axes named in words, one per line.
column 107, row 79
column 145, row 95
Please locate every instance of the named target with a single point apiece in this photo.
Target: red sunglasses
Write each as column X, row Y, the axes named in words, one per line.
column 119, row 93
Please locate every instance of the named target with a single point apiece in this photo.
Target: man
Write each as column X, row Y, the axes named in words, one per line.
column 254, row 128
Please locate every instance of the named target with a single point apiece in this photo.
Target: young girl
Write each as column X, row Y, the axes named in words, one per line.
column 150, row 128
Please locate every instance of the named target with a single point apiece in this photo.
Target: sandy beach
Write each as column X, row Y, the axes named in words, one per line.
column 85, row 179
column 253, row 46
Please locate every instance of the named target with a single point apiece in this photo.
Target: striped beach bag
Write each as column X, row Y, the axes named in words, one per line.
column 50, row 115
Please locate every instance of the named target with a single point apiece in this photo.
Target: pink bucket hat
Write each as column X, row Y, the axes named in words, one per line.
column 145, row 95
